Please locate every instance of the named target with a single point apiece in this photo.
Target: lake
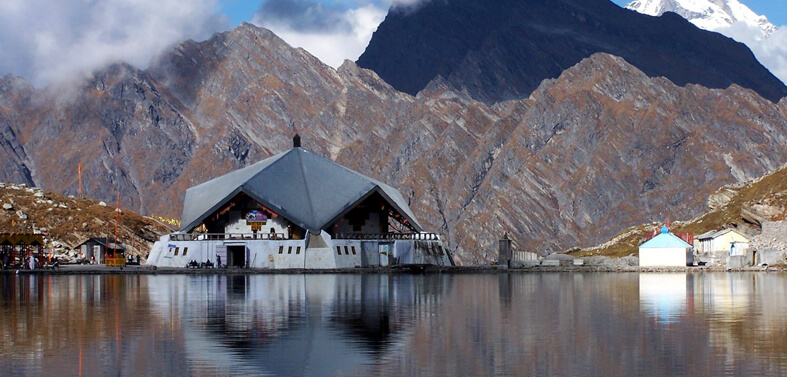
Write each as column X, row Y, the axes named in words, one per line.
column 542, row 324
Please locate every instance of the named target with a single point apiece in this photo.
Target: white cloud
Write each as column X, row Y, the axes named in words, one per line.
column 770, row 51
column 347, row 40
column 49, row 41
column 332, row 33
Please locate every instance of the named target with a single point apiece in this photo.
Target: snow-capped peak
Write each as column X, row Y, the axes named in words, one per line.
column 706, row 14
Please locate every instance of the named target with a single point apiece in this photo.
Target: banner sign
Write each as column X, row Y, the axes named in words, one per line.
column 256, row 216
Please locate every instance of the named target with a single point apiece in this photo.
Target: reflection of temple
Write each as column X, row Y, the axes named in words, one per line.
column 291, row 324
column 298, row 210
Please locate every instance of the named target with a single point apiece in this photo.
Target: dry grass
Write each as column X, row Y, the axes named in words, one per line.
column 70, row 221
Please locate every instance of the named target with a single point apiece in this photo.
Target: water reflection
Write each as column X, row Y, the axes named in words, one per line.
column 663, row 295
column 517, row 324
column 275, row 325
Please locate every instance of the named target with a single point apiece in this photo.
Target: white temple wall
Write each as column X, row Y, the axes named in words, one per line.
column 284, row 254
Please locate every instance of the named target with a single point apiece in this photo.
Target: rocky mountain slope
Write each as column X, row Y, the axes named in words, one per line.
column 67, row 221
column 706, row 14
column 502, row 50
column 744, row 206
column 599, row 148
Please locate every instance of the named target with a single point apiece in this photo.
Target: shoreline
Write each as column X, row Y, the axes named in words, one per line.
column 150, row 270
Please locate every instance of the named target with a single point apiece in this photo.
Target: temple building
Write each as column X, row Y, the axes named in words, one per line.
column 298, row 210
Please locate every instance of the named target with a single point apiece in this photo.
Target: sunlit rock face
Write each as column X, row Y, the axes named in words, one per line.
column 601, row 147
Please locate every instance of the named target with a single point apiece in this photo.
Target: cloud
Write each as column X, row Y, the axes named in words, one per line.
column 770, row 51
column 331, row 31
column 50, row 41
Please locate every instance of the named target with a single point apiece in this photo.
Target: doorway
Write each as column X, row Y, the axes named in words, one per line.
column 236, row 256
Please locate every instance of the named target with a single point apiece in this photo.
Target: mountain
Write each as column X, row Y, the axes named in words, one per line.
column 706, row 14
column 601, row 147
column 744, row 206
column 502, row 50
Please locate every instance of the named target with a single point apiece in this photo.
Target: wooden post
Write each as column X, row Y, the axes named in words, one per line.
column 80, row 179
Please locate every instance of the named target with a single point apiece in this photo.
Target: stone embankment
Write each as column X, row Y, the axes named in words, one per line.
column 149, row 270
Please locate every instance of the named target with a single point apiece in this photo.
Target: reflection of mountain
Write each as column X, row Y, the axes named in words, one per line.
column 291, row 324
column 88, row 325
column 401, row 325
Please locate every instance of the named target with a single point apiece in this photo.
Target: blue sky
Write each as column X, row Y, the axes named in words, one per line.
column 243, row 10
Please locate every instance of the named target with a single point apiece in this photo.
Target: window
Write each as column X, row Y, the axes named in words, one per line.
column 346, row 252
column 289, row 250
column 281, row 249
column 339, row 250
column 298, row 250
column 353, row 250
column 185, row 250
column 177, row 249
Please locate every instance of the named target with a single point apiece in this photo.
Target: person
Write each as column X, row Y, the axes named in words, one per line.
column 138, row 260
column 5, row 260
column 273, row 234
column 218, row 261
column 32, row 263
column 92, row 259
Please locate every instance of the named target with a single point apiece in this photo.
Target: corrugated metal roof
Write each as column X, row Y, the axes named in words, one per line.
column 665, row 240
column 307, row 189
column 706, row 235
column 716, row 234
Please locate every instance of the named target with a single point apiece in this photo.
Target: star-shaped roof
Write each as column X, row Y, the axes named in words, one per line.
column 309, row 190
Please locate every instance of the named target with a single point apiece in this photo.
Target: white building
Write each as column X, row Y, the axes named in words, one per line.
column 724, row 242
column 666, row 250
column 298, row 210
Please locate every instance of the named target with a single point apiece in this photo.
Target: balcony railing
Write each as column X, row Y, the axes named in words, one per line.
column 226, row 236
column 386, row 236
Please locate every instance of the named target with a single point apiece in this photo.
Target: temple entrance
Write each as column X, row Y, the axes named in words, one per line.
column 236, row 256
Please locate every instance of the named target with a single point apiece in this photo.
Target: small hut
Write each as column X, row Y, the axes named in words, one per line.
column 15, row 248
column 98, row 248
column 666, row 250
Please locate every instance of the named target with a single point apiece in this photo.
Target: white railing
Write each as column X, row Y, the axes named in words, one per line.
column 386, row 236
column 523, row 256
column 226, row 236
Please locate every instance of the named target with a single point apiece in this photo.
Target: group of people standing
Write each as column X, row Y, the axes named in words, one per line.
column 30, row 262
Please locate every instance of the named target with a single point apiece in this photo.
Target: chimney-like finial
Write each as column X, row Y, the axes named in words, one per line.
column 296, row 141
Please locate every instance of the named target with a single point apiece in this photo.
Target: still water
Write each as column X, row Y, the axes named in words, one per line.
column 544, row 324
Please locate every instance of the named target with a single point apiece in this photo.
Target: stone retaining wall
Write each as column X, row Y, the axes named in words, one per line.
column 773, row 237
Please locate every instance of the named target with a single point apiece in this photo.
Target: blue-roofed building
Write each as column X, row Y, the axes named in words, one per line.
column 666, row 250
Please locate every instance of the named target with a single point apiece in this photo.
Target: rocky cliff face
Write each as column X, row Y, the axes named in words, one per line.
column 599, row 148
column 502, row 50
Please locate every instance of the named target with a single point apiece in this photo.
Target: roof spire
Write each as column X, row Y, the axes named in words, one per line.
column 296, row 141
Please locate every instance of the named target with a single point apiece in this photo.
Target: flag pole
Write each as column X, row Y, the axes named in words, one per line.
column 80, row 179
column 117, row 221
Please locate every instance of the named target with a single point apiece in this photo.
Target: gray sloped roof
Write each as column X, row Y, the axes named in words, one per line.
column 307, row 189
